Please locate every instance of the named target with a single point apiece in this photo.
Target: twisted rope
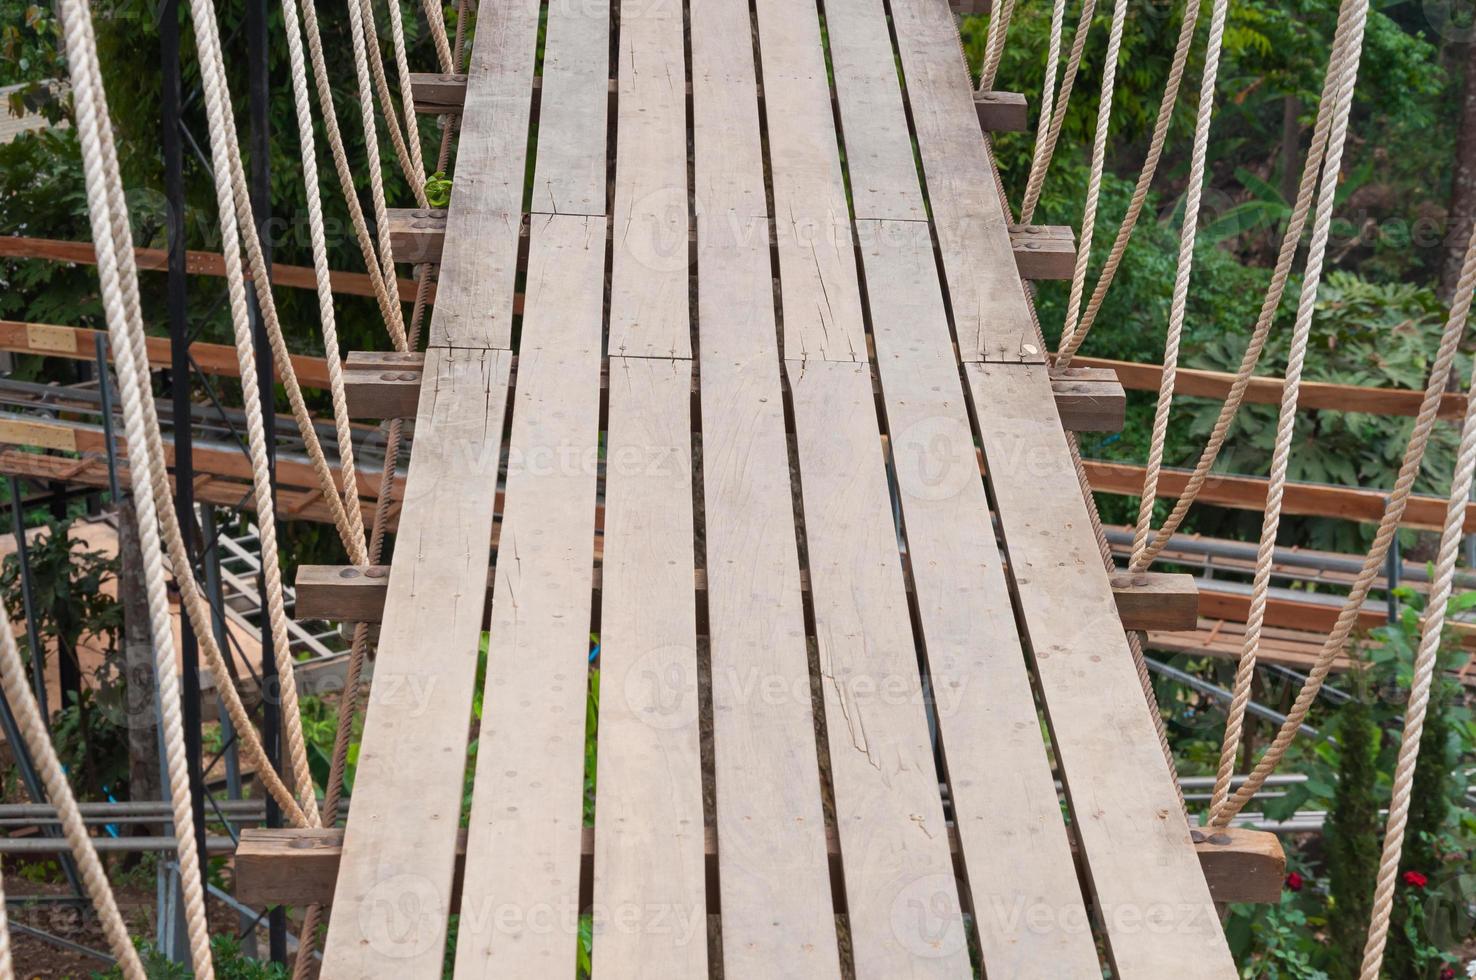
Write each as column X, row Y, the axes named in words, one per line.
column 1071, row 340
column 410, row 164
column 994, row 44
column 1180, row 301
column 1425, row 659
column 100, row 171
column 1286, row 422
column 1044, row 150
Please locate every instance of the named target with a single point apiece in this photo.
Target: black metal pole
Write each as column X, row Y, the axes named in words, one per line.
column 259, row 142
column 33, row 639
column 179, row 384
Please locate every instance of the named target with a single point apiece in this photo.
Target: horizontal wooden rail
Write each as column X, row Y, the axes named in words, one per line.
column 1041, row 251
column 196, row 263
column 300, row 867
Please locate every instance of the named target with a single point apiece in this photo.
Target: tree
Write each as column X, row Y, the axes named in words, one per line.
column 1352, row 836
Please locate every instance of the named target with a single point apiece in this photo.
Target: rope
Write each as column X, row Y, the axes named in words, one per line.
column 1286, row 422
column 1044, row 151
column 435, row 16
column 410, row 163
column 1180, row 301
column 1099, row 156
column 994, row 44
column 1282, row 270
column 1070, row 343
column 1425, row 658
column 104, row 191
column 1047, row 90
column 366, row 113
column 407, row 99
column 385, row 289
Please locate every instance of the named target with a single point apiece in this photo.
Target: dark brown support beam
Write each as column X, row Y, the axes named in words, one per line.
column 1089, row 399
column 1001, row 112
column 1156, row 600
column 299, row 867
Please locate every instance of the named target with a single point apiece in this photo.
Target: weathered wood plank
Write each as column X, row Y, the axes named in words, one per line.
column 1044, row 251
column 1009, row 819
column 527, row 803
column 298, row 867
column 884, row 178
column 821, row 302
column 778, row 919
column 888, row 811
column 649, row 313
column 991, row 320
column 1089, row 399
column 474, row 301
column 1002, row 112
column 649, row 886
column 1135, row 840
column 569, row 175
column 401, row 841
column 1156, row 600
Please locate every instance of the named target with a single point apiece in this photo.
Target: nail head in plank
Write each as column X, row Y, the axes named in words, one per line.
column 1132, row 829
column 401, row 839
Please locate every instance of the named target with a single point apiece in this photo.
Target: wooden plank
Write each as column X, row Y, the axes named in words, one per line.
column 298, row 866
column 347, row 593
column 399, row 851
column 778, row 920
column 573, row 108
column 649, row 313
column 382, row 384
column 1088, row 399
column 1134, row 836
column 991, row 321
column 1044, row 251
column 1156, row 600
column 527, row 802
column 1002, row 112
column 649, row 885
column 436, row 93
column 478, row 270
column 821, row 302
column 1009, row 818
column 417, row 234
column 884, row 178
column 888, row 811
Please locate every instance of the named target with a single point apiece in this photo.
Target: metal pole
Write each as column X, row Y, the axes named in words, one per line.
column 23, row 561
column 179, row 382
column 1392, row 565
column 105, row 396
column 259, row 142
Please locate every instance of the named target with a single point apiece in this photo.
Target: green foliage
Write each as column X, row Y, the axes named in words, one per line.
column 438, row 190
column 225, row 952
column 1351, row 835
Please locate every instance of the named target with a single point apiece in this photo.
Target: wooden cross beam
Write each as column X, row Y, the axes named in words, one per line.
column 386, row 385
column 286, row 866
column 1041, row 251
column 1001, row 112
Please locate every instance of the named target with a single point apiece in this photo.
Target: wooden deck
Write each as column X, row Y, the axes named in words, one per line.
column 808, row 332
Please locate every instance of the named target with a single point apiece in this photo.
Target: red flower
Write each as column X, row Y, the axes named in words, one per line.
column 1415, row 879
column 1448, row 973
column 1295, row 881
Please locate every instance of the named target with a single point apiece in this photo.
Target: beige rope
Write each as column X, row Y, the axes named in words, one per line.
column 407, row 102
column 410, row 162
column 1425, row 659
column 371, row 144
column 1047, row 91
column 1099, row 157
column 1286, row 422
column 1180, row 300
column 386, row 290
column 100, row 167
column 1045, row 150
column 1282, row 270
column 33, row 732
column 1070, row 343
column 994, row 44
column 221, row 131
column 435, row 16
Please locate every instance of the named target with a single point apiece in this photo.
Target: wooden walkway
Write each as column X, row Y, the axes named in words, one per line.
column 820, row 657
